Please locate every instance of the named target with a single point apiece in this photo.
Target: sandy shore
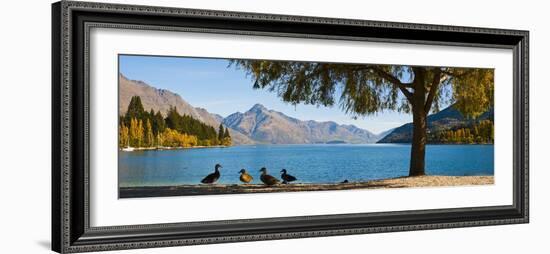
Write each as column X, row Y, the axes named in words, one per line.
column 203, row 189
column 430, row 181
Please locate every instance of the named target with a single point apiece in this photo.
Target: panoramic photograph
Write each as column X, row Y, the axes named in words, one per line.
column 204, row 126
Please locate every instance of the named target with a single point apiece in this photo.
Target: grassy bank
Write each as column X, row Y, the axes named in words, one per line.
column 401, row 182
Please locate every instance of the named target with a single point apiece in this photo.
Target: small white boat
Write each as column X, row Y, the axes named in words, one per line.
column 128, row 149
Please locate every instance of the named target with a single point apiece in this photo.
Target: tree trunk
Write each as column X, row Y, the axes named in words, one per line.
column 418, row 144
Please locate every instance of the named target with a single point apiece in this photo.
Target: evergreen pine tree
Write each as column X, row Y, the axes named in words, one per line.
column 221, row 133
column 158, row 123
column 173, row 119
column 135, row 110
column 226, row 133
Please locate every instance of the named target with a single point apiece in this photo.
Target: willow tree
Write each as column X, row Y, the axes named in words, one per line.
column 365, row 89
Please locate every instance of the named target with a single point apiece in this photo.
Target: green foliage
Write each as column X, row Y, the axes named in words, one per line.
column 158, row 122
column 173, row 119
column 139, row 128
column 135, row 109
column 361, row 92
column 226, row 133
column 473, row 90
column 364, row 89
column 220, row 132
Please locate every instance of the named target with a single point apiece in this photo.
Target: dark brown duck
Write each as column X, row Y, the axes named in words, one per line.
column 268, row 179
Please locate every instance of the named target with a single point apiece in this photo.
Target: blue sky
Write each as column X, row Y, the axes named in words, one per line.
column 211, row 84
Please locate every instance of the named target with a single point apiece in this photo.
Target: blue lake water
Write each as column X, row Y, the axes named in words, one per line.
column 309, row 163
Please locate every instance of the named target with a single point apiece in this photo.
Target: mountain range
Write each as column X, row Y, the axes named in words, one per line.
column 258, row 125
column 272, row 127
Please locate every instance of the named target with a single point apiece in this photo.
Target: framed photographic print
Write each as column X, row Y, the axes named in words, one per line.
column 181, row 126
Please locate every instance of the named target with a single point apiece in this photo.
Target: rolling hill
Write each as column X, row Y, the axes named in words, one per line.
column 448, row 118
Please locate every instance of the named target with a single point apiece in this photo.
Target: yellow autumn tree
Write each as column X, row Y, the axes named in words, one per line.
column 133, row 132
column 136, row 132
column 149, row 138
column 140, row 133
column 123, row 135
column 173, row 138
column 160, row 139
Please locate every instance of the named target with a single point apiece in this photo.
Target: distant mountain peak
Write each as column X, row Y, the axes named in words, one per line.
column 258, row 107
column 272, row 127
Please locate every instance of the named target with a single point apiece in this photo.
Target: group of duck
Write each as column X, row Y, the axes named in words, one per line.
column 267, row 179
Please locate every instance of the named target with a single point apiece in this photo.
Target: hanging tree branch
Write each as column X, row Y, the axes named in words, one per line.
column 395, row 81
column 433, row 89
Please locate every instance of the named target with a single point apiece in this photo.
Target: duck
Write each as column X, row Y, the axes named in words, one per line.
column 245, row 177
column 267, row 179
column 286, row 177
column 212, row 178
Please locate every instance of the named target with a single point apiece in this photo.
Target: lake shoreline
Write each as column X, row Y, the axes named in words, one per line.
column 135, row 149
column 398, row 182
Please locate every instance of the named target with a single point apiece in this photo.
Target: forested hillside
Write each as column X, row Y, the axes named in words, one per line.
column 140, row 128
column 449, row 126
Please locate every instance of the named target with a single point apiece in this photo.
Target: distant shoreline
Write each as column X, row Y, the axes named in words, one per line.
column 399, row 182
column 440, row 143
column 134, row 149
column 262, row 144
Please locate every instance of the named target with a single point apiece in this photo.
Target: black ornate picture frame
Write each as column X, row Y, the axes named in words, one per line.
column 71, row 230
